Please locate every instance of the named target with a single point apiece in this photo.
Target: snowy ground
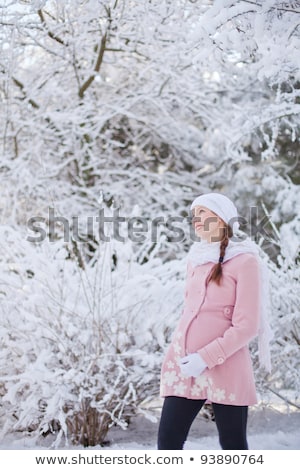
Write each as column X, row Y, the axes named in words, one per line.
column 269, row 428
column 272, row 426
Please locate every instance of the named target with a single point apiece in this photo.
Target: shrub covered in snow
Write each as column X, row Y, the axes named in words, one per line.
column 80, row 348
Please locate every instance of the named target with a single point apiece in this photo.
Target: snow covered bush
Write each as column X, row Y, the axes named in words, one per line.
column 286, row 344
column 80, row 349
column 283, row 380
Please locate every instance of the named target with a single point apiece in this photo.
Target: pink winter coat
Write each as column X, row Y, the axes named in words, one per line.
column 217, row 322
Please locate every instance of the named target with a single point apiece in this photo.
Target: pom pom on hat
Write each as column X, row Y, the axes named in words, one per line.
column 221, row 205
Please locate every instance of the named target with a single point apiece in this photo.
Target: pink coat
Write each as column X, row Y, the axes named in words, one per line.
column 217, row 322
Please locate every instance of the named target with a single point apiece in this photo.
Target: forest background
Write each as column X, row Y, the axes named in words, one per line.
column 129, row 109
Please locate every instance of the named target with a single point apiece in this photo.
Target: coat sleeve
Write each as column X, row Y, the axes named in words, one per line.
column 245, row 317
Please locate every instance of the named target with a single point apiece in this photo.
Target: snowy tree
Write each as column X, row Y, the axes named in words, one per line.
column 139, row 105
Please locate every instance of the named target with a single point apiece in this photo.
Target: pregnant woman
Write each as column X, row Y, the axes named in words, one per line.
column 208, row 358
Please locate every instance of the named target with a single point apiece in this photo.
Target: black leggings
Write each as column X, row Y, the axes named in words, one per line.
column 178, row 414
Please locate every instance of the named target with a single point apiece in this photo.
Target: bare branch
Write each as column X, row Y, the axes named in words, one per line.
column 283, row 398
column 88, row 82
column 21, row 86
column 101, row 50
column 277, row 8
column 51, row 35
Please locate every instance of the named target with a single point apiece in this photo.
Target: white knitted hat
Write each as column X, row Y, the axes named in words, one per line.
column 220, row 205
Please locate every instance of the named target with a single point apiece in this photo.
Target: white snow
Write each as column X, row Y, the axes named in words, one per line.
column 275, row 426
column 190, row 96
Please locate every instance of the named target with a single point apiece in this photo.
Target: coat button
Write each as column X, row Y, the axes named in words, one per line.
column 227, row 310
column 220, row 360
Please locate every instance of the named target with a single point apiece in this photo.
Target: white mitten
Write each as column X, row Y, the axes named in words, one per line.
column 192, row 365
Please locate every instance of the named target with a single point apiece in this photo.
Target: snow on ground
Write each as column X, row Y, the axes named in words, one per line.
column 270, row 427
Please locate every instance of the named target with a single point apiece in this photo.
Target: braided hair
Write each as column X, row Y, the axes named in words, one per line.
column 216, row 272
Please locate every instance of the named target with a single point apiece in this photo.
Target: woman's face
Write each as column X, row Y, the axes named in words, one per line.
column 207, row 224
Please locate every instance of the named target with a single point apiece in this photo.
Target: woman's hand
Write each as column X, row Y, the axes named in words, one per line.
column 192, row 365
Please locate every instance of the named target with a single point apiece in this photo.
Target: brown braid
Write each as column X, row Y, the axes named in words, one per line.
column 216, row 272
